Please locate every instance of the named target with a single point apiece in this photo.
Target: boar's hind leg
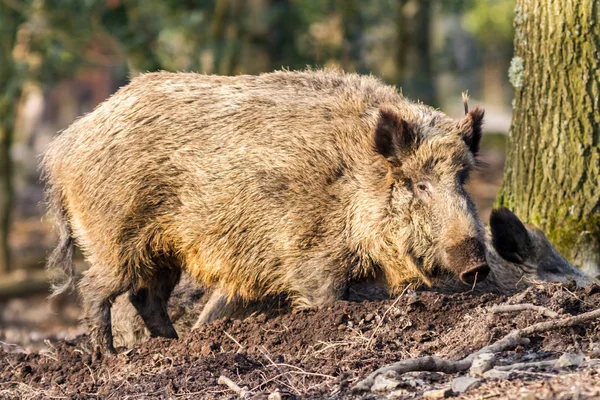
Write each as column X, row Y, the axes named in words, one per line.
column 99, row 290
column 151, row 302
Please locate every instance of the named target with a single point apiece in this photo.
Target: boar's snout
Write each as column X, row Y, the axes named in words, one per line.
column 467, row 260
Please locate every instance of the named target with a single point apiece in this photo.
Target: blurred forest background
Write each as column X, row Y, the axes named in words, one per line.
column 60, row 58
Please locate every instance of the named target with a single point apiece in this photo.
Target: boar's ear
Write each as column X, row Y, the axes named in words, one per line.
column 509, row 236
column 470, row 128
column 394, row 137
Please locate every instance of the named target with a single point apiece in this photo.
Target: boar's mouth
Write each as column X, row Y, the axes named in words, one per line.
column 467, row 260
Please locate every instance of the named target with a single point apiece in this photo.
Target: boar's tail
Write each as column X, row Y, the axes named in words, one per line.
column 61, row 258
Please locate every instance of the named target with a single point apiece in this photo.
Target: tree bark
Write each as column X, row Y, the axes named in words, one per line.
column 553, row 157
column 10, row 93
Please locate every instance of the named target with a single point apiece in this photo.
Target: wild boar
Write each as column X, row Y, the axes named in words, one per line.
column 287, row 182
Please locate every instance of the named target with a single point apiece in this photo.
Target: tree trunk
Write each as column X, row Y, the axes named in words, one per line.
column 402, row 42
column 6, row 187
column 423, row 78
column 225, row 33
column 413, row 52
column 553, row 159
column 10, row 92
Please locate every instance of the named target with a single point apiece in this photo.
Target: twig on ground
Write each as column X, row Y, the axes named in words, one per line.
column 91, row 373
column 368, row 346
column 235, row 341
column 329, row 345
column 25, row 391
column 561, row 323
column 511, row 340
column 48, row 353
column 145, row 395
column 9, row 344
column 241, row 392
column 291, row 384
column 276, row 377
column 507, row 308
column 521, row 296
column 303, row 372
column 534, row 373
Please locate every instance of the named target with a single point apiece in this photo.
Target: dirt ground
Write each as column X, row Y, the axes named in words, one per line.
column 323, row 353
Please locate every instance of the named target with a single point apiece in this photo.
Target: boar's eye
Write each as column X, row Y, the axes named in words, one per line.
column 423, row 189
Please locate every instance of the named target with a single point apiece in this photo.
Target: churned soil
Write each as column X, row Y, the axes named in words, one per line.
column 323, row 353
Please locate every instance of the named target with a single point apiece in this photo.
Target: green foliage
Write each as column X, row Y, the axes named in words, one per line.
column 491, row 21
column 231, row 36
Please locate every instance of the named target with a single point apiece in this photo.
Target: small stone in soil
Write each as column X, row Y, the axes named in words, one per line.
column 496, row 374
column 438, row 393
column 594, row 351
column 465, row 383
column 399, row 394
column 569, row 360
column 274, row 396
column 481, row 364
column 385, row 383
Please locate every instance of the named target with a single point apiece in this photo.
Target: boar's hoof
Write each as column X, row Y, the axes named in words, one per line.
column 478, row 273
column 99, row 352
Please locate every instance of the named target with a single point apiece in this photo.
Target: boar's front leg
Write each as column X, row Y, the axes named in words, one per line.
column 219, row 307
column 151, row 302
column 311, row 285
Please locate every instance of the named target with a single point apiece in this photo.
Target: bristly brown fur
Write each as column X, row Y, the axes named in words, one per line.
column 260, row 185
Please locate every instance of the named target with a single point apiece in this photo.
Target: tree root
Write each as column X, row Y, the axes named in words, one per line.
column 507, row 308
column 527, row 365
column 511, row 340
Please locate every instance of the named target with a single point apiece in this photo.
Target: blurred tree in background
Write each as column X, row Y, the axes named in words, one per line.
column 429, row 47
column 37, row 45
column 10, row 91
